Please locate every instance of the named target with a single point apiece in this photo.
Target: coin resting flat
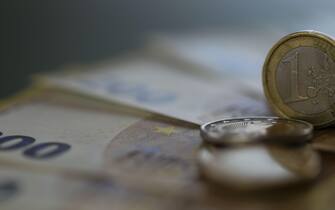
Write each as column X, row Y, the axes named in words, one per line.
column 299, row 77
column 237, row 131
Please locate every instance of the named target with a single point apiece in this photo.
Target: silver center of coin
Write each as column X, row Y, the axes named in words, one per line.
column 237, row 131
column 306, row 80
column 239, row 128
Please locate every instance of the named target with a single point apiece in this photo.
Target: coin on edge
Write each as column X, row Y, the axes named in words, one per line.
column 249, row 130
column 259, row 167
column 299, row 77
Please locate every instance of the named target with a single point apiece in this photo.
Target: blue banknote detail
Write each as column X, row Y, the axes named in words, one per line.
column 40, row 151
column 143, row 154
column 140, row 92
column 8, row 143
column 148, row 150
column 46, row 150
column 146, row 95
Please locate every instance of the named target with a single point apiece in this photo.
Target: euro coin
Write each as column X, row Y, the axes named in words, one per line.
column 250, row 130
column 260, row 166
column 299, row 77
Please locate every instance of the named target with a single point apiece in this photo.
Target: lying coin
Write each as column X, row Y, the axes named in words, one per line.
column 238, row 131
column 299, row 77
column 259, row 166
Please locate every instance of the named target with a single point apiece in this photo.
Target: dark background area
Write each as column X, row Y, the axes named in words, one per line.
column 41, row 35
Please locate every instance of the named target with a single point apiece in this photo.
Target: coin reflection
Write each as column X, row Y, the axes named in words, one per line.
column 259, row 166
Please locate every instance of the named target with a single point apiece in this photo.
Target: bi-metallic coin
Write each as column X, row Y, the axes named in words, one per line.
column 299, row 77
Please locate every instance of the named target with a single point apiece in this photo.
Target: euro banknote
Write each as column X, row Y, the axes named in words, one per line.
column 71, row 152
column 145, row 83
column 33, row 190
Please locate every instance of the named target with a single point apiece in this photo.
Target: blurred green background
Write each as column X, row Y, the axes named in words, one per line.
column 42, row 35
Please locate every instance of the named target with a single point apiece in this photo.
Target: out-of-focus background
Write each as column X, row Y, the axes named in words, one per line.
column 42, row 35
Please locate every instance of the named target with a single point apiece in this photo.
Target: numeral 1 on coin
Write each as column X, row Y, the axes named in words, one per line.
column 293, row 63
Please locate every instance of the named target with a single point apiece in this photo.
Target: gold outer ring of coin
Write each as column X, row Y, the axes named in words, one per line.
column 314, row 39
column 299, row 131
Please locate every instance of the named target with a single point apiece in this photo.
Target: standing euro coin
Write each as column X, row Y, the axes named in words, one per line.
column 299, row 77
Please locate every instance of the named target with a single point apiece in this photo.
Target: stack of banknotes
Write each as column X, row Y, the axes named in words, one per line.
column 124, row 133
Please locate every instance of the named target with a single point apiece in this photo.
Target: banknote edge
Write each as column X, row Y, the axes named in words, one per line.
column 20, row 97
